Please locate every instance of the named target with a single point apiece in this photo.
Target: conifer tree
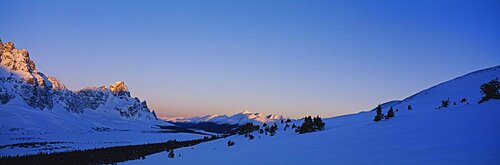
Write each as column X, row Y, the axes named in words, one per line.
column 171, row 154
column 390, row 113
column 379, row 115
column 490, row 90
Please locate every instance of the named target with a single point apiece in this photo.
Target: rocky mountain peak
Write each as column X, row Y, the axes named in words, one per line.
column 118, row 86
column 16, row 59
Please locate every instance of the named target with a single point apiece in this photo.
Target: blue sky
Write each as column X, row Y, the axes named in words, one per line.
column 283, row 57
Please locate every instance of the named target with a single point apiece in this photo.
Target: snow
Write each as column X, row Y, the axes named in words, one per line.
column 239, row 118
column 46, row 117
column 460, row 134
column 75, row 131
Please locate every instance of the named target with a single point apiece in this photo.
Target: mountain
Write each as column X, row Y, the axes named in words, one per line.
column 21, row 80
column 236, row 119
column 36, row 109
column 445, row 125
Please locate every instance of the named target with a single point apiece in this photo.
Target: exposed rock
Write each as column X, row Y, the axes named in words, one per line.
column 119, row 88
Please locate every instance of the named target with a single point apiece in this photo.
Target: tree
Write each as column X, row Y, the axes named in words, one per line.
column 230, row 143
column 288, row 120
column 409, row 107
column 390, row 113
column 310, row 125
column 318, row 124
column 445, row 103
column 248, row 128
column 250, row 137
column 463, row 100
column 490, row 90
column 294, row 126
column 273, row 129
column 379, row 115
column 171, row 154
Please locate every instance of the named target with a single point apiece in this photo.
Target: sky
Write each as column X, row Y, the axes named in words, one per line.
column 296, row 58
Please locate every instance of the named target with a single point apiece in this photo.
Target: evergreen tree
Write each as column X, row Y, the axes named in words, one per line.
column 409, row 107
column 490, row 90
column 445, row 103
column 318, row 124
column 171, row 154
column 272, row 130
column 463, row 100
column 310, row 125
column 390, row 113
column 230, row 143
column 379, row 115
column 247, row 128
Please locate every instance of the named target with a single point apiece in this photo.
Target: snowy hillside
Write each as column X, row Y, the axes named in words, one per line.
column 239, row 118
column 36, row 109
column 464, row 132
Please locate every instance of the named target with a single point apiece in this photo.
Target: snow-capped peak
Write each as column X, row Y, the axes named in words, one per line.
column 118, row 86
column 238, row 118
column 19, row 80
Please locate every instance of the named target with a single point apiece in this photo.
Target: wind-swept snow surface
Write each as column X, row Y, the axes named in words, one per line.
column 462, row 133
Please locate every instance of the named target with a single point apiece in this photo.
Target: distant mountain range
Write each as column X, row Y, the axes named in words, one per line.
column 236, row 119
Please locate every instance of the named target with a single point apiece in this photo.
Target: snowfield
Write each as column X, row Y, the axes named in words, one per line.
column 465, row 133
column 38, row 114
column 65, row 131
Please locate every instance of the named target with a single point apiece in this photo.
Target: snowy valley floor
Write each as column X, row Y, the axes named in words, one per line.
column 463, row 134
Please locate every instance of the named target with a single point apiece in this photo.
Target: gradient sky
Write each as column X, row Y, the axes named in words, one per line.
column 283, row 57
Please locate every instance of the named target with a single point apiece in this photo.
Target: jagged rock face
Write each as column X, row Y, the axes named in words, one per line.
column 56, row 84
column 119, row 88
column 20, row 79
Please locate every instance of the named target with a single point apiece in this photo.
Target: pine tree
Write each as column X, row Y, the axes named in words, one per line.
column 318, row 124
column 390, row 113
column 490, row 90
column 379, row 115
column 409, row 107
column 310, row 125
column 171, row 154
column 230, row 143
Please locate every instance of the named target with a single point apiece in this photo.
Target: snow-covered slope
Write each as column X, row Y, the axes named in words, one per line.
column 462, row 133
column 239, row 118
column 36, row 108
